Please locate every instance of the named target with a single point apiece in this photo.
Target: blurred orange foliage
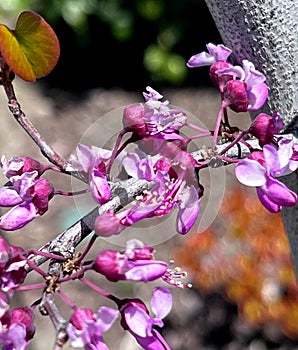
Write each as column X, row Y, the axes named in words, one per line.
column 245, row 256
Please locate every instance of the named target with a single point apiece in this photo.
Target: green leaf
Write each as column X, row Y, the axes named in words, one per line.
column 32, row 49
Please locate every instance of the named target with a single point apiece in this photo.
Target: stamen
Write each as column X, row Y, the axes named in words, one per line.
column 174, row 276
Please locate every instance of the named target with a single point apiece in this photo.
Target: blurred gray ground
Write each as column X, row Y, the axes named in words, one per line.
column 64, row 121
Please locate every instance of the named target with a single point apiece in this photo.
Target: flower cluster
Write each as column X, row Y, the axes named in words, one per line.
column 161, row 159
column 26, row 192
column 85, row 328
column 242, row 88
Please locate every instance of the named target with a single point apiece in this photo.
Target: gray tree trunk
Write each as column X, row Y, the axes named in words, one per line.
column 266, row 33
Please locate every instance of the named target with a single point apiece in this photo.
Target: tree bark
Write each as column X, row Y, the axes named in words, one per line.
column 266, row 33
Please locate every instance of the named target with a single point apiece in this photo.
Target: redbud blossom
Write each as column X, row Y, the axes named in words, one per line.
column 235, row 95
column 260, row 170
column 176, row 186
column 249, row 93
column 17, row 328
column 154, row 121
column 12, row 267
column 136, row 319
column 264, row 127
column 19, row 165
column 91, row 160
column 217, row 59
column 29, row 196
column 136, row 263
column 85, row 328
column 133, row 118
column 108, row 224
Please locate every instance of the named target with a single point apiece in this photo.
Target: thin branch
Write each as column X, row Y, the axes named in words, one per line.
column 49, row 307
column 25, row 123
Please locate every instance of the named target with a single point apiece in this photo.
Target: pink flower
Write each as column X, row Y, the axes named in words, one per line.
column 154, row 121
column 19, row 165
column 108, row 224
column 136, row 263
column 137, row 320
column 216, row 53
column 85, row 328
column 216, row 57
column 91, row 160
column 174, row 175
column 12, row 268
column 17, row 328
column 28, row 196
column 249, row 93
column 260, row 170
column 264, row 127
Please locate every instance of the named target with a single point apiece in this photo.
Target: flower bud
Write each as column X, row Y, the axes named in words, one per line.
column 264, row 127
column 43, row 192
column 235, row 95
column 18, row 216
column 108, row 224
column 106, row 263
column 219, row 80
column 133, row 118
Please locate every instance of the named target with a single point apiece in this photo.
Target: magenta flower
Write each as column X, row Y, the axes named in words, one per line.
column 28, row 196
column 136, row 263
column 216, row 58
column 260, row 170
column 175, row 187
column 137, row 320
column 17, row 328
column 91, row 160
column 264, row 127
column 12, row 268
column 159, row 118
column 154, row 121
column 19, row 165
column 108, row 224
column 249, row 93
column 85, row 328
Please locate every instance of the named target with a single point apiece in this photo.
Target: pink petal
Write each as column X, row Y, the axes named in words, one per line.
column 201, row 59
column 137, row 320
column 250, row 173
column 18, row 216
column 280, row 194
column 161, row 302
column 257, row 96
column 9, row 197
column 146, row 270
column 105, row 318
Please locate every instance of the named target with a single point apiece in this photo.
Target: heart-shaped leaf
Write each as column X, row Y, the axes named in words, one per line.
column 32, row 49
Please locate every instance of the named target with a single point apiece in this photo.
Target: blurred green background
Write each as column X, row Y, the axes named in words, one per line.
column 123, row 43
